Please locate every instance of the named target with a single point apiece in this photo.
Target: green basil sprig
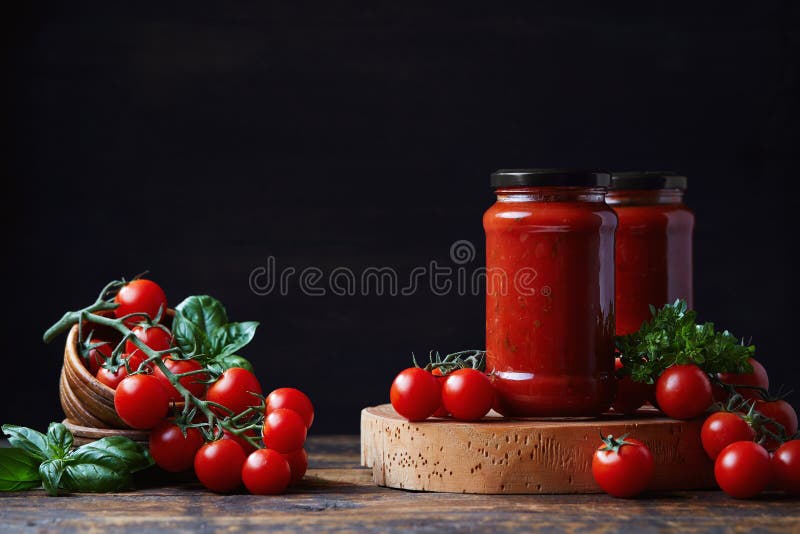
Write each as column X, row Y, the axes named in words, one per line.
column 201, row 328
column 49, row 460
column 674, row 337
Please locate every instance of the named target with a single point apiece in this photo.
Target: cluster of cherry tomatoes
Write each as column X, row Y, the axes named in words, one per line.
column 750, row 439
column 465, row 394
column 224, row 464
column 223, row 455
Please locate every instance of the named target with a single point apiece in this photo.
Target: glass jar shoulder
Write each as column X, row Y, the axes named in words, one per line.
column 565, row 215
column 656, row 215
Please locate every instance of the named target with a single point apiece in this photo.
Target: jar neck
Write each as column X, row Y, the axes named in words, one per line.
column 550, row 194
column 633, row 197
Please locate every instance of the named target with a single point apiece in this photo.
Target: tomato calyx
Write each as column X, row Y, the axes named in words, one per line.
column 610, row 443
column 464, row 359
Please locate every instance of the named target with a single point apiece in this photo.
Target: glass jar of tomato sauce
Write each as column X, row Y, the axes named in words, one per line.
column 550, row 292
column 654, row 244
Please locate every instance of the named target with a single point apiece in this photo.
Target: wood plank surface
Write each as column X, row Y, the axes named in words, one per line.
column 339, row 496
column 499, row 455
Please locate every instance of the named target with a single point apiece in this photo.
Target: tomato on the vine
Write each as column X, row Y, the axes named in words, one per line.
column 156, row 337
column 141, row 401
column 112, row 378
column 218, row 465
column 723, row 428
column 234, row 390
column 683, row 391
column 195, row 383
column 266, row 472
column 292, row 399
column 782, row 413
column 622, row 467
column 140, row 296
column 630, row 395
column 98, row 355
column 171, row 449
column 786, row 467
column 415, row 394
column 284, row 430
column 467, row 394
column 757, row 378
column 298, row 464
column 742, row 469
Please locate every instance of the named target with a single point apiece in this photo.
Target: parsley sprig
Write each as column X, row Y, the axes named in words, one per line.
column 674, row 337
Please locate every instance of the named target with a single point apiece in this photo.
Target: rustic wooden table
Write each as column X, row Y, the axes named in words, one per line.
column 338, row 495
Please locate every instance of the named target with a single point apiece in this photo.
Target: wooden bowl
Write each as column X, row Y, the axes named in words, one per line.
column 83, row 434
column 87, row 402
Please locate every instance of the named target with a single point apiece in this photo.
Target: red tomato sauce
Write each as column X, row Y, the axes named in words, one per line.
column 550, row 330
column 653, row 252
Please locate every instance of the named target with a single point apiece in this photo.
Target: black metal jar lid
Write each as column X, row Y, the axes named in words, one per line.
column 550, row 178
column 648, row 180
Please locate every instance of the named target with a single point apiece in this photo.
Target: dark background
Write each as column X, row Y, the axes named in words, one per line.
column 197, row 139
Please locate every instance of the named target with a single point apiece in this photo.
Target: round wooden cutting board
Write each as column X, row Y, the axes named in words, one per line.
column 499, row 455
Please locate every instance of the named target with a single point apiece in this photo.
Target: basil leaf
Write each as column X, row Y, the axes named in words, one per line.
column 188, row 337
column 203, row 311
column 105, row 465
column 59, row 440
column 19, row 470
column 221, row 363
column 29, row 440
column 51, row 473
column 229, row 338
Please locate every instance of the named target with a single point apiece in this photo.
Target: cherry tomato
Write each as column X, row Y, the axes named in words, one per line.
column 786, row 467
column 140, row 296
column 298, row 463
column 266, row 472
column 98, row 355
column 292, row 399
column 415, row 394
column 630, row 395
column 234, row 390
column 781, row 412
column 683, row 392
column 623, row 467
column 113, row 378
column 441, row 411
column 284, row 430
column 141, row 401
column 467, row 394
column 723, row 428
column 743, row 469
column 218, row 465
column 757, row 378
column 246, row 446
column 194, row 383
column 156, row 337
column 171, row 449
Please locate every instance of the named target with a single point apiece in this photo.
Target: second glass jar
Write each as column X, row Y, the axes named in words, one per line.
column 654, row 244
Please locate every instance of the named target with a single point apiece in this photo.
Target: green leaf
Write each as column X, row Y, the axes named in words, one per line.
column 221, row 363
column 674, row 337
column 204, row 312
column 51, row 473
column 59, row 440
column 19, row 470
column 105, row 465
column 231, row 337
column 188, row 337
column 33, row 442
